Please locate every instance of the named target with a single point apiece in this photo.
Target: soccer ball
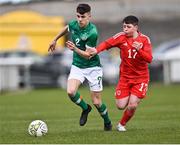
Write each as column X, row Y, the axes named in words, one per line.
column 37, row 128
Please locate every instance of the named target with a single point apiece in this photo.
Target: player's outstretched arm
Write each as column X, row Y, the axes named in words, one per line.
column 52, row 45
column 72, row 46
column 103, row 46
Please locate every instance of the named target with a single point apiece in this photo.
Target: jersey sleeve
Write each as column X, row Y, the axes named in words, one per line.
column 146, row 51
column 92, row 40
column 114, row 40
column 110, row 42
column 70, row 25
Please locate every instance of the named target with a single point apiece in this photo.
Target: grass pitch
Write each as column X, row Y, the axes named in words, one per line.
column 156, row 121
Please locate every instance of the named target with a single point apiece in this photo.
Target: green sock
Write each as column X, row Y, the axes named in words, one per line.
column 104, row 113
column 80, row 102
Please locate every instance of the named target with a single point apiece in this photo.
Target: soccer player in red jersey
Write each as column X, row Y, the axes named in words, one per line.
column 135, row 53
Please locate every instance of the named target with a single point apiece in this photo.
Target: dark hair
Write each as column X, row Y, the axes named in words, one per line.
column 131, row 20
column 83, row 8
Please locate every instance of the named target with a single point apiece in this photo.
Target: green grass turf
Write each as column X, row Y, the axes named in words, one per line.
column 156, row 121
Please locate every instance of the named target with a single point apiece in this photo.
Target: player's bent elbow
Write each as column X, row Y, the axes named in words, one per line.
column 150, row 59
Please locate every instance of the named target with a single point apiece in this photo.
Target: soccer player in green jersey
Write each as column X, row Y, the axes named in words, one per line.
column 84, row 35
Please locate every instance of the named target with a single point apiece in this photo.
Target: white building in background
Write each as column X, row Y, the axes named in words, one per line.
column 169, row 55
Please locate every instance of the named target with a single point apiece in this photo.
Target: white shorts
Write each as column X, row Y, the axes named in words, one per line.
column 92, row 74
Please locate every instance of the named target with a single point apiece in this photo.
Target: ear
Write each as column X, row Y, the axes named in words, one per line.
column 136, row 27
column 89, row 14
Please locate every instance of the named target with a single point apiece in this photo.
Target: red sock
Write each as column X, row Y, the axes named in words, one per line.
column 127, row 116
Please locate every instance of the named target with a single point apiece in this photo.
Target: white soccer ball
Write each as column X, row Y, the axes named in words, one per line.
column 37, row 128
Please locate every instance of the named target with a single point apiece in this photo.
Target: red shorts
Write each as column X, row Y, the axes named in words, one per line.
column 126, row 87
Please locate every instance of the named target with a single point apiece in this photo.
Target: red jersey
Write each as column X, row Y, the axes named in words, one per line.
column 134, row 64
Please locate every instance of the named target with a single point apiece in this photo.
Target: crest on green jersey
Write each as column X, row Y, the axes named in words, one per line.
column 84, row 37
column 72, row 31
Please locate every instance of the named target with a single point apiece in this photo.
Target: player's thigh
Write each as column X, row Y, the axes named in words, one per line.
column 122, row 89
column 140, row 89
column 75, row 79
column 94, row 76
column 122, row 93
column 72, row 86
column 133, row 101
column 76, row 73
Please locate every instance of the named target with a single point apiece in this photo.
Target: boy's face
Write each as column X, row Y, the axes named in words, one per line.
column 129, row 29
column 83, row 19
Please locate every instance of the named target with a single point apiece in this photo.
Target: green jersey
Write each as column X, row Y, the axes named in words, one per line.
column 84, row 38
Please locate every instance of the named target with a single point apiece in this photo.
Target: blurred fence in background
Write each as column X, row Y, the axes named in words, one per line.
column 24, row 69
column 11, row 78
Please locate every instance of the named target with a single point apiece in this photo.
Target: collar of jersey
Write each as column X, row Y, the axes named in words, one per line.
column 83, row 28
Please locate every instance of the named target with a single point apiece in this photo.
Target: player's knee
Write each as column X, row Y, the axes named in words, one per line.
column 96, row 102
column 71, row 92
column 120, row 106
column 132, row 105
column 97, row 105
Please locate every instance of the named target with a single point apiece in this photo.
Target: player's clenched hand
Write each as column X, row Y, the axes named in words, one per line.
column 70, row 45
column 137, row 45
column 52, row 46
column 92, row 51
